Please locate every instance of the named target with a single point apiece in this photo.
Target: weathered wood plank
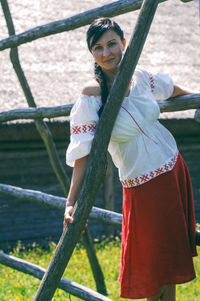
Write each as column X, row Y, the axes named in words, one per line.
column 26, row 234
column 41, row 214
column 179, row 103
column 71, row 287
column 18, row 226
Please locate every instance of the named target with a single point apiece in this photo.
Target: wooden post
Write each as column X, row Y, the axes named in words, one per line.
column 97, row 161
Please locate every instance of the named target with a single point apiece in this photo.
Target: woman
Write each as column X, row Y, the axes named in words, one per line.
column 158, row 232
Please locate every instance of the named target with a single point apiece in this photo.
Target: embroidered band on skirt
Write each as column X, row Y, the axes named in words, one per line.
column 158, row 234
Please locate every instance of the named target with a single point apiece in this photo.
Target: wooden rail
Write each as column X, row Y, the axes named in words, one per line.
column 76, row 21
column 180, row 103
column 100, row 215
column 97, row 214
column 69, row 286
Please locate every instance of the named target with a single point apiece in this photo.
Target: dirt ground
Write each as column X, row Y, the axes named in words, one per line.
column 58, row 66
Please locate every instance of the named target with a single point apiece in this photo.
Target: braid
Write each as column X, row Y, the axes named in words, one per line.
column 101, row 79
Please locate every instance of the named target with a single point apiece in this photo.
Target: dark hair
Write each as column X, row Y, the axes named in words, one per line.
column 95, row 31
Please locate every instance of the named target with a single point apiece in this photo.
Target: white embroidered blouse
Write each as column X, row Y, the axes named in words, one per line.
column 141, row 147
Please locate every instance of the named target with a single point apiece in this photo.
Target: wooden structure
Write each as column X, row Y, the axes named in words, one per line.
column 90, row 188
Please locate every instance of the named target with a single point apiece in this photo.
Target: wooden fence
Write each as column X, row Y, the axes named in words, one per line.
column 83, row 207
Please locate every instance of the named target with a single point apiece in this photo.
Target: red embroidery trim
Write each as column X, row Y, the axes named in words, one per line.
column 83, row 129
column 148, row 176
column 152, row 83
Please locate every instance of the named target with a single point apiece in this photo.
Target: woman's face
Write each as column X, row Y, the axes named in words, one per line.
column 108, row 50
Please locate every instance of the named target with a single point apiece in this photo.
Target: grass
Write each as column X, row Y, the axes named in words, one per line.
column 16, row 286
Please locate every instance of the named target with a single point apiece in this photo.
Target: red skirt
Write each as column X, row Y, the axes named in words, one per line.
column 158, row 234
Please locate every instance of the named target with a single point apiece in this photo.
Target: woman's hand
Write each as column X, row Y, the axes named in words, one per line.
column 68, row 215
column 69, row 219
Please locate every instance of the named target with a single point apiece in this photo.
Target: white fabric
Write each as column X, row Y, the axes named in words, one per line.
column 139, row 144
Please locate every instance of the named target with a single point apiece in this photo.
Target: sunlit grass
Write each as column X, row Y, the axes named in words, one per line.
column 16, row 286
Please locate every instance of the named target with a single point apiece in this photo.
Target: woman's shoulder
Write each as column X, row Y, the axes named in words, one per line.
column 89, row 102
column 92, row 88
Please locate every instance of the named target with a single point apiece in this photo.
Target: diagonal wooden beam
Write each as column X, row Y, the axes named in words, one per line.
column 97, row 162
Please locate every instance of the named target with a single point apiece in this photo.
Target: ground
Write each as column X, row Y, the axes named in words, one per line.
column 58, row 66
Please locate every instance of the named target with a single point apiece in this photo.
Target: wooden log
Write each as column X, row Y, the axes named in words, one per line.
column 56, row 202
column 66, row 285
column 34, row 113
column 97, row 161
column 179, row 103
column 79, row 20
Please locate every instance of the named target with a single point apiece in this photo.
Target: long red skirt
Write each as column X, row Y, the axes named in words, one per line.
column 158, row 234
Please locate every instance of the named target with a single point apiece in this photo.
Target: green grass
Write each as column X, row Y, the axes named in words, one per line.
column 16, row 286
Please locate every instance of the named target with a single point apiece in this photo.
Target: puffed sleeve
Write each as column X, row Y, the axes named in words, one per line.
column 160, row 84
column 83, row 121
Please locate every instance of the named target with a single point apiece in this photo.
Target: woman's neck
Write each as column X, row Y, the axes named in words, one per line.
column 110, row 76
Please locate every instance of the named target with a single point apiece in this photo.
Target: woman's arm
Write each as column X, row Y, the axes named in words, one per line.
column 79, row 170
column 180, row 91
